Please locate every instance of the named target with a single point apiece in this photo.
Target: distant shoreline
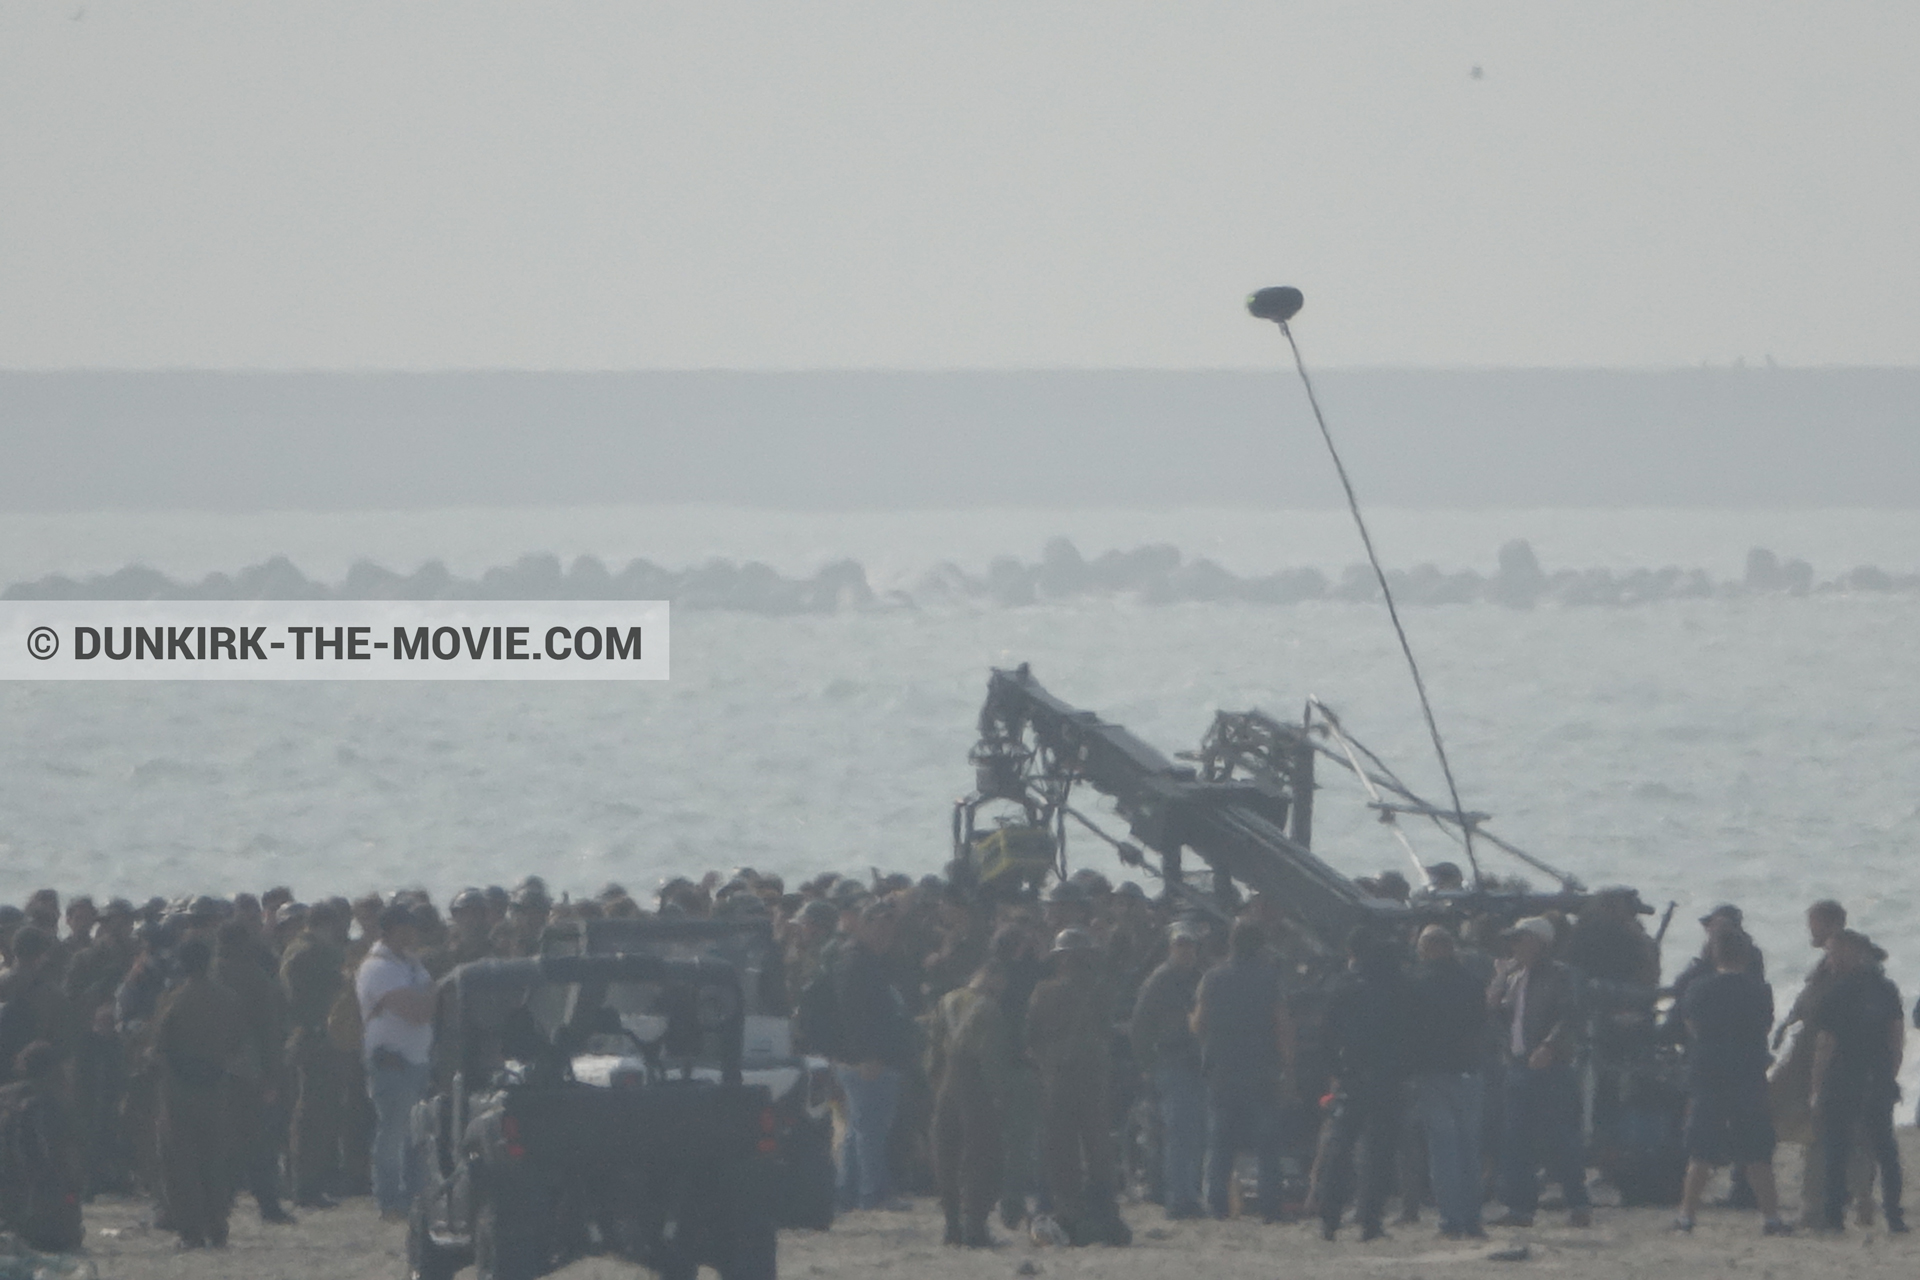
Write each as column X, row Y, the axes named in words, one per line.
column 1152, row 575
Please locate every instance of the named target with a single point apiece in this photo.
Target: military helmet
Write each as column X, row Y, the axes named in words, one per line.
column 1071, row 940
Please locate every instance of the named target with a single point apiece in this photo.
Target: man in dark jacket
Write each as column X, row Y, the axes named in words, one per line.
column 1366, row 1035
column 312, row 975
column 1447, row 1060
column 1536, row 1006
column 1246, row 1043
column 1167, row 1053
column 871, row 1046
column 1861, row 1034
column 246, row 967
column 1727, row 1014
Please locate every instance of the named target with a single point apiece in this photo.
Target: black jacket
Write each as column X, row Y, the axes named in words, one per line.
column 1449, row 1019
column 871, row 1015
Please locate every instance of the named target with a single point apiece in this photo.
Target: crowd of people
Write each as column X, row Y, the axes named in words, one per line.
column 1031, row 1056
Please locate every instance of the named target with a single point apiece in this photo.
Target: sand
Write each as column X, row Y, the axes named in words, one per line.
column 351, row 1243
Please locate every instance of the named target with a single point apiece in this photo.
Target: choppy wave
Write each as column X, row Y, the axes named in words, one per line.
column 1154, row 574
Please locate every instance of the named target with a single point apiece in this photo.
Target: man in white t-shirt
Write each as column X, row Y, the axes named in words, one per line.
column 396, row 1014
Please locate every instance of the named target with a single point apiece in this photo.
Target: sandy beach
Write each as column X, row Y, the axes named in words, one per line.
column 351, row 1243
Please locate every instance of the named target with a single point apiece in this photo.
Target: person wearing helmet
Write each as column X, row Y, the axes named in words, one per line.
column 312, row 977
column 1069, row 1035
column 1067, row 907
column 199, row 1029
column 968, row 1056
column 99, row 1072
column 42, row 1175
column 32, row 1004
column 255, row 1081
column 527, row 916
column 470, row 937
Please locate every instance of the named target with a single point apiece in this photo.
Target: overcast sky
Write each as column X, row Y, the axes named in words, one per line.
column 782, row 186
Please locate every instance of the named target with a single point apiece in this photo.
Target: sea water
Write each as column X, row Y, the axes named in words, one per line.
column 1762, row 750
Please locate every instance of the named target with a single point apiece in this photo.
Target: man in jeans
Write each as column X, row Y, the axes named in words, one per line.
column 1535, row 1001
column 1168, row 1054
column 396, row 1015
column 1246, row 1041
column 1860, row 1037
column 872, row 1043
column 1447, row 1056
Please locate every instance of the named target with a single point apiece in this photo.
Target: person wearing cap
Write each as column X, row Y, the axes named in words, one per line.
column 1246, row 1044
column 1727, row 1014
column 1725, row 917
column 1168, row 1055
column 396, row 1015
column 872, row 1044
column 1537, row 1011
column 1447, row 1052
column 1860, row 1029
column 1069, row 1037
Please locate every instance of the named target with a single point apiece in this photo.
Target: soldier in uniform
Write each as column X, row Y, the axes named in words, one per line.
column 344, row 1032
column 32, row 1005
column 40, row 1164
column 467, row 940
column 43, row 913
column 968, row 1055
column 199, row 1030
column 527, row 914
column 312, row 975
column 255, row 1081
column 1069, row 1036
column 100, row 1059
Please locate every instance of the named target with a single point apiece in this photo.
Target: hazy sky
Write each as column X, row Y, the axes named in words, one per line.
column 635, row 185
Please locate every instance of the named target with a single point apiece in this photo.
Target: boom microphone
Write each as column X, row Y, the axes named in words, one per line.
column 1279, row 304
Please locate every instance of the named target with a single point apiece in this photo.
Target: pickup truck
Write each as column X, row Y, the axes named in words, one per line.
column 535, row 1153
